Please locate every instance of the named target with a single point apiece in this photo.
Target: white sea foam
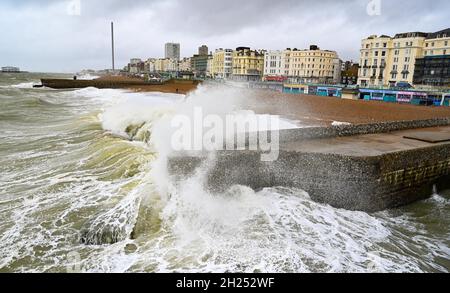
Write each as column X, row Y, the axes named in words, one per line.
column 87, row 77
column 23, row 85
column 156, row 111
column 338, row 123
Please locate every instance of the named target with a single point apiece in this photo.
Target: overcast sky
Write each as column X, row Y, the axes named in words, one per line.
column 49, row 35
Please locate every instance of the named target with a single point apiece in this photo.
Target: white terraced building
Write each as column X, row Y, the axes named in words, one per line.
column 303, row 66
column 274, row 64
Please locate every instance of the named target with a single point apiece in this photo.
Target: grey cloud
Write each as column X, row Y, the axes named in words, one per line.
column 41, row 36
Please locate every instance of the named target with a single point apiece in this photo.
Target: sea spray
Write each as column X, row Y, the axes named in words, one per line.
column 61, row 171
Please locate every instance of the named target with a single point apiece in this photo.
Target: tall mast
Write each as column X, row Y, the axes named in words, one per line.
column 112, row 44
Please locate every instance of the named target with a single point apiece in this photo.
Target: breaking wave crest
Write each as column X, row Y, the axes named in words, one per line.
column 23, row 85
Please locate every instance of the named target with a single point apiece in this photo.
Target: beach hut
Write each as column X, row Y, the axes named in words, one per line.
column 446, row 100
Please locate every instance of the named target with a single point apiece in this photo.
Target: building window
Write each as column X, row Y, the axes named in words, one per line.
column 445, row 52
column 384, row 45
column 376, row 53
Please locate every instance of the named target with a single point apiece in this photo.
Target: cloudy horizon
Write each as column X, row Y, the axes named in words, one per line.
column 60, row 36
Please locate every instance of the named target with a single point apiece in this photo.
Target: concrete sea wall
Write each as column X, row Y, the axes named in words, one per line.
column 353, row 182
column 351, row 130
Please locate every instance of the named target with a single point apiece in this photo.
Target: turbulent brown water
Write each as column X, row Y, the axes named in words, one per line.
column 77, row 194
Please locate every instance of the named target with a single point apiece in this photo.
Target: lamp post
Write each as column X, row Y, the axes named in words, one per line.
column 112, row 45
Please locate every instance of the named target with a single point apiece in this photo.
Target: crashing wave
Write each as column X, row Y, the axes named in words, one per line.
column 113, row 226
column 140, row 132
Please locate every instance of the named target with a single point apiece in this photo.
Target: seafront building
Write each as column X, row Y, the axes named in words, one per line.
column 203, row 50
column 149, row 65
column 199, row 65
column 185, row 65
column 222, row 63
column 349, row 75
column 209, row 66
column 433, row 71
column 438, row 44
column 274, row 64
column 387, row 61
column 337, row 70
column 313, row 65
column 434, row 68
column 199, row 62
column 136, row 66
column 166, row 65
column 415, row 58
column 172, row 51
column 303, row 66
column 248, row 65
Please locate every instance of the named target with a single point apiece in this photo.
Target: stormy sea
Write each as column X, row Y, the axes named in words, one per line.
column 83, row 188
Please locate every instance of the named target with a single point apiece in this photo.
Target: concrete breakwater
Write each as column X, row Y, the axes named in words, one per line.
column 368, row 167
column 101, row 84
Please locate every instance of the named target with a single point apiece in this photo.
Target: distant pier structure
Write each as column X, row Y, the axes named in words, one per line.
column 10, row 69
